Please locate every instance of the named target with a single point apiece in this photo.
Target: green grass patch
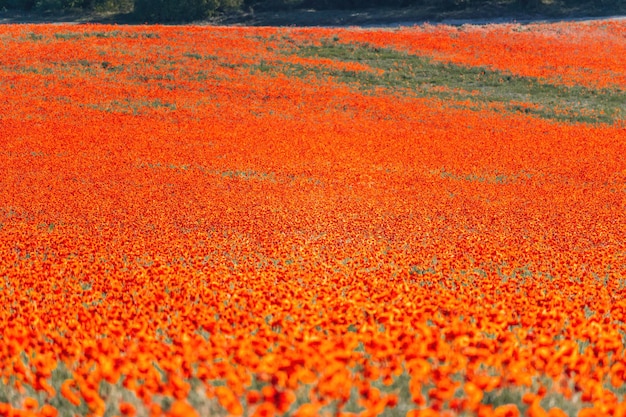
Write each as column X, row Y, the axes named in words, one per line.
column 406, row 74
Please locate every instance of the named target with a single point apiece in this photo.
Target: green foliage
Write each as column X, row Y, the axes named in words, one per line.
column 55, row 5
column 64, row 5
column 17, row 4
column 262, row 5
column 181, row 10
column 111, row 5
column 267, row 5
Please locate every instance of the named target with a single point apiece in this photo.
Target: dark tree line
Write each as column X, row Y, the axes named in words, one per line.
column 65, row 5
column 190, row 10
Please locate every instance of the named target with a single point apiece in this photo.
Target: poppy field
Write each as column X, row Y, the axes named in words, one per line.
column 229, row 221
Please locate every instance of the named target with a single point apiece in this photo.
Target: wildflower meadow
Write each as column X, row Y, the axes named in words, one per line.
column 236, row 221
